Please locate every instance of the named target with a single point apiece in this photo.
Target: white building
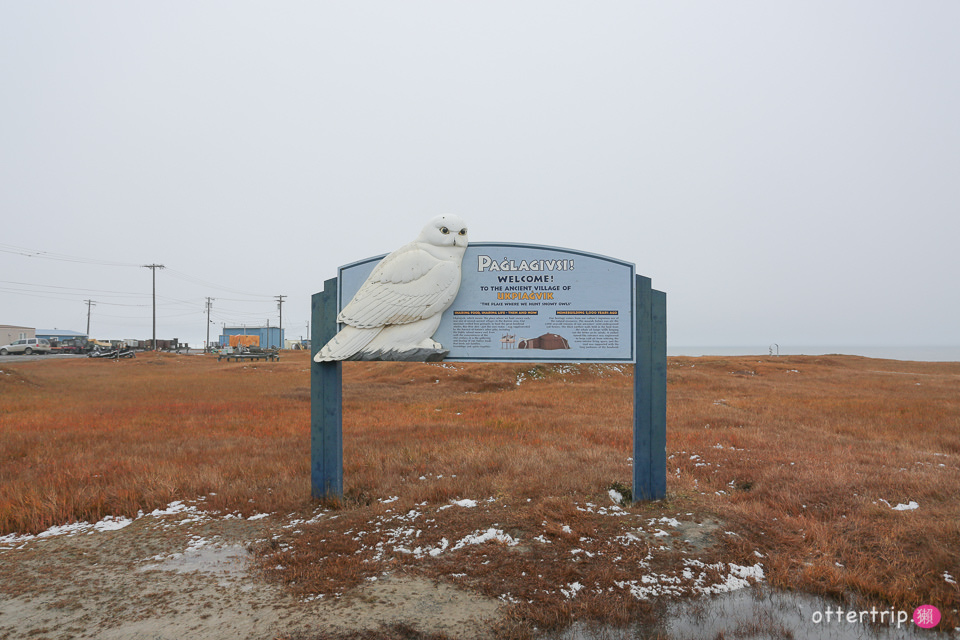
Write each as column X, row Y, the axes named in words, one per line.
column 11, row 333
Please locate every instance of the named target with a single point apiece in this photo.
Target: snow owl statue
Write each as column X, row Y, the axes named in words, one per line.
column 398, row 308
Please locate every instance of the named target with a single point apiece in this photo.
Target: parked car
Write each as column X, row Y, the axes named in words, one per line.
column 26, row 347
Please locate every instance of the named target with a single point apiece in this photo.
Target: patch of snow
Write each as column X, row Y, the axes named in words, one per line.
column 491, row 534
column 627, row 539
column 110, row 523
column 738, row 577
column 174, row 508
column 444, row 543
column 906, row 507
column 571, row 592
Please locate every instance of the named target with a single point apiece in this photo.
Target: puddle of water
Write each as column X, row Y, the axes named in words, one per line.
column 759, row 613
column 211, row 559
column 764, row 614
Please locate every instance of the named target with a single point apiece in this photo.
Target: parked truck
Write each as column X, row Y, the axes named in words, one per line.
column 69, row 345
column 99, row 345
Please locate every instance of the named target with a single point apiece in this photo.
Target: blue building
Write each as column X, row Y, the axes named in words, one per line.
column 60, row 334
column 269, row 336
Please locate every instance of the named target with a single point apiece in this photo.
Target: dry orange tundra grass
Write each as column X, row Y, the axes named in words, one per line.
column 803, row 457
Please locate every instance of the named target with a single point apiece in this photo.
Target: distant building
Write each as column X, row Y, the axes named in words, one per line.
column 296, row 344
column 269, row 336
column 60, row 334
column 11, row 333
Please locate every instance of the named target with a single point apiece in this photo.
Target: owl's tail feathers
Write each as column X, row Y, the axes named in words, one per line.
column 347, row 343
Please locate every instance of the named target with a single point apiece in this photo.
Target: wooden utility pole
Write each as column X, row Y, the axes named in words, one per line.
column 280, row 306
column 153, row 268
column 206, row 345
column 89, row 304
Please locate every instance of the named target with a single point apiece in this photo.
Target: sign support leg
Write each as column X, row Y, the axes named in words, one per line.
column 326, row 400
column 650, row 395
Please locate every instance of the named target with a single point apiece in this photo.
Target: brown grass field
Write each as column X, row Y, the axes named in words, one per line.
column 800, row 458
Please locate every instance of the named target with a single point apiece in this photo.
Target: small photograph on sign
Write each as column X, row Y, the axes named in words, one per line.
column 547, row 341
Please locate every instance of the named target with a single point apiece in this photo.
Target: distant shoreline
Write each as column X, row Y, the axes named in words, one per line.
column 920, row 354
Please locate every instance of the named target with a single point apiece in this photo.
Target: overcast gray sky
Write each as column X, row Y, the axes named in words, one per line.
column 787, row 172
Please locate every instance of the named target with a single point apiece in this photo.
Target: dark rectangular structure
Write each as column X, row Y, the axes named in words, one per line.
column 650, row 395
column 326, row 400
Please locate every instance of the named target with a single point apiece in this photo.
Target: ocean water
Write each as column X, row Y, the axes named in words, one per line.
column 923, row 353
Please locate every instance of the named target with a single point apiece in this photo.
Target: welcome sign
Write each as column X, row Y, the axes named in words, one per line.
column 519, row 302
column 531, row 302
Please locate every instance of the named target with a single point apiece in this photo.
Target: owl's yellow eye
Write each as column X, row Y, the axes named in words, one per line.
column 444, row 230
column 463, row 232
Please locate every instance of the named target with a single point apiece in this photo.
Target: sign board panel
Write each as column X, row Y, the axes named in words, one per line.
column 531, row 302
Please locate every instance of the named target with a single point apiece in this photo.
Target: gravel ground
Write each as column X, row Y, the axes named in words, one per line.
column 167, row 577
column 14, row 358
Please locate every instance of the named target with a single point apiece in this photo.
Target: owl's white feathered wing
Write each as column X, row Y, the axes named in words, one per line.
column 408, row 286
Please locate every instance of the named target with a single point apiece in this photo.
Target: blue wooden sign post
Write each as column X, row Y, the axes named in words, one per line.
column 586, row 308
column 650, row 395
column 326, row 400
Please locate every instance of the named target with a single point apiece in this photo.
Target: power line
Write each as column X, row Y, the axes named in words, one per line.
column 62, row 257
column 172, row 303
column 242, row 299
column 239, row 312
column 61, row 292
column 67, row 293
column 31, row 294
column 57, row 295
column 54, row 286
column 195, row 280
column 162, row 316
